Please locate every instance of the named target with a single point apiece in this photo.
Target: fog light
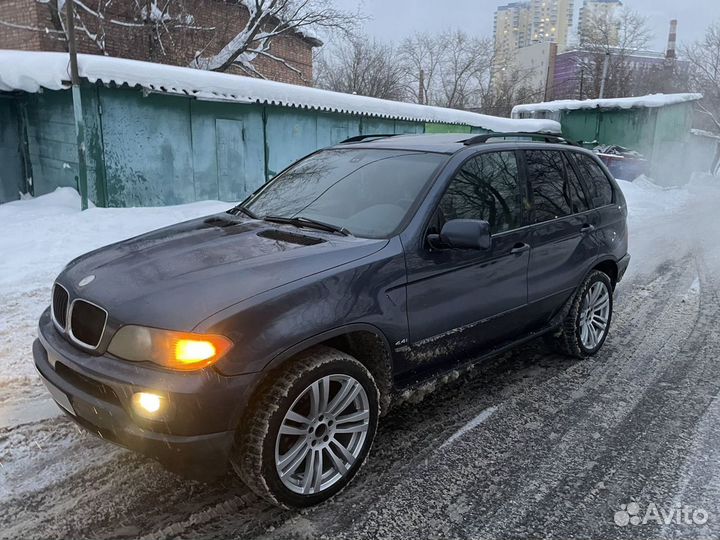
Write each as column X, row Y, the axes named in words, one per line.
column 147, row 404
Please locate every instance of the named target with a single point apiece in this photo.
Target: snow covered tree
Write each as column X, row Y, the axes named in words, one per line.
column 95, row 20
column 269, row 19
column 205, row 34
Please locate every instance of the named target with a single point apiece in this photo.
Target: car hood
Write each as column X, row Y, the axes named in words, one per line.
column 177, row 276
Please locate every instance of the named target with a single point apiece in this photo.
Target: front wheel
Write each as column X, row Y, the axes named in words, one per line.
column 586, row 325
column 310, row 430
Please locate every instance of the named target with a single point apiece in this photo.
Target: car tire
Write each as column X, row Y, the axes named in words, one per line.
column 326, row 404
column 586, row 325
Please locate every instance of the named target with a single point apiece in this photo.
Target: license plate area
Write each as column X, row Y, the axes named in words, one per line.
column 59, row 396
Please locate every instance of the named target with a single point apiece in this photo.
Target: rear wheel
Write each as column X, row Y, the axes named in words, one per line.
column 586, row 325
column 310, row 431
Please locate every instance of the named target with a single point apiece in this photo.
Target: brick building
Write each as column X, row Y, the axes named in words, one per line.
column 171, row 37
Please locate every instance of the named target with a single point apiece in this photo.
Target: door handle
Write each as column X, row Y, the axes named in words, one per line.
column 520, row 247
column 587, row 228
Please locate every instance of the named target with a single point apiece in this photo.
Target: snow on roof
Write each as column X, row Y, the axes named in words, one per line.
column 703, row 133
column 653, row 100
column 32, row 71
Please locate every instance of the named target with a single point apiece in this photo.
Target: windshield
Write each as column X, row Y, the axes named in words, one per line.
column 367, row 192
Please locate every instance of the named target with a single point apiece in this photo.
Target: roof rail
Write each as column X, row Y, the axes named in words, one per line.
column 359, row 138
column 480, row 139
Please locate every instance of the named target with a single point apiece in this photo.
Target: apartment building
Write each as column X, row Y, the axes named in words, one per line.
column 520, row 24
column 605, row 11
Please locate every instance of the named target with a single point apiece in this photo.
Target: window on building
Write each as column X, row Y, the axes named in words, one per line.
column 486, row 187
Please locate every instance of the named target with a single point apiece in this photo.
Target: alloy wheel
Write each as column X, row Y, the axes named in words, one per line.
column 594, row 315
column 322, row 434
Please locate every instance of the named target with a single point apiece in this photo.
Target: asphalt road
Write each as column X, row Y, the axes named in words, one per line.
column 527, row 445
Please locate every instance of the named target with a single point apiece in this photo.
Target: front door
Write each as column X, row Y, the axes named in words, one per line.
column 461, row 302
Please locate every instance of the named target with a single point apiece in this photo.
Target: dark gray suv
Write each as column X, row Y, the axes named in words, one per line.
column 274, row 335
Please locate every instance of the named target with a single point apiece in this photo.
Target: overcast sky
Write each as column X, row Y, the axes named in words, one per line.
column 395, row 19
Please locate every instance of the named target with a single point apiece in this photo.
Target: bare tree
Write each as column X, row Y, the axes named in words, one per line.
column 452, row 67
column 268, row 20
column 465, row 71
column 421, row 56
column 361, row 65
column 508, row 89
column 704, row 59
column 611, row 38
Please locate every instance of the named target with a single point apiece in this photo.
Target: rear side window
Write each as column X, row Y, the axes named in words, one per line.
column 601, row 191
column 556, row 191
column 579, row 199
column 486, row 187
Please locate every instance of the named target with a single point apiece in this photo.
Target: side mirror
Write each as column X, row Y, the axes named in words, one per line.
column 463, row 234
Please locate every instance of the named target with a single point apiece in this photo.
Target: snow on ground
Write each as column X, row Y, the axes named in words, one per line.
column 646, row 199
column 39, row 237
column 526, row 445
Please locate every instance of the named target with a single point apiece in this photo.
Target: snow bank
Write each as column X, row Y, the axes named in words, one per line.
column 31, row 71
column 645, row 199
column 652, row 101
column 39, row 237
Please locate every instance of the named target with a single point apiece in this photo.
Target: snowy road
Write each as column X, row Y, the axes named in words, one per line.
column 530, row 444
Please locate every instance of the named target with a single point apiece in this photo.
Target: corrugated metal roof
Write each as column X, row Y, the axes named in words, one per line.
column 33, row 71
column 650, row 101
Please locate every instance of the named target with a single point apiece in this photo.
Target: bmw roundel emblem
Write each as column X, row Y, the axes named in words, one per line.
column 86, row 280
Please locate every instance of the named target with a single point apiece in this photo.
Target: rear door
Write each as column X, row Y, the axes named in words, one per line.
column 561, row 238
column 611, row 229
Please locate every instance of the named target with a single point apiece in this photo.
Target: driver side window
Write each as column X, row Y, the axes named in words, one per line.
column 486, row 188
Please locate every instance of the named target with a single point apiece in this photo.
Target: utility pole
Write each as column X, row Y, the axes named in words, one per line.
column 77, row 105
column 421, row 89
column 606, row 64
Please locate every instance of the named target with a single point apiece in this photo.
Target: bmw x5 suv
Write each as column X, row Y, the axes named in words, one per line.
column 271, row 337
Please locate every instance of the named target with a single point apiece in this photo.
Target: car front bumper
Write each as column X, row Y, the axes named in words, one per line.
column 194, row 440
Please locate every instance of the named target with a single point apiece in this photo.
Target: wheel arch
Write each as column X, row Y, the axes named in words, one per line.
column 364, row 342
column 608, row 266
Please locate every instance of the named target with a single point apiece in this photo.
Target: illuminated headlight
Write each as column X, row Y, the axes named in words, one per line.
column 175, row 350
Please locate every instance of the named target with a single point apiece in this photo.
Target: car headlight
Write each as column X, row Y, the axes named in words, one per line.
column 176, row 350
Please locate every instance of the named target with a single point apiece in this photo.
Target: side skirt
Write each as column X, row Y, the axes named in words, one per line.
column 417, row 383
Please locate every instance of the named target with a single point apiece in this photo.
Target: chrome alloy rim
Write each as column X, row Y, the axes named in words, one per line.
column 594, row 315
column 322, row 434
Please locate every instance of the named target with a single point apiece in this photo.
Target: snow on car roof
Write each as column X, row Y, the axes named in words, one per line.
column 31, row 71
column 652, row 100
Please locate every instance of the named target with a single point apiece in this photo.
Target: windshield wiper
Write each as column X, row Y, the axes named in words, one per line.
column 300, row 221
column 240, row 209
